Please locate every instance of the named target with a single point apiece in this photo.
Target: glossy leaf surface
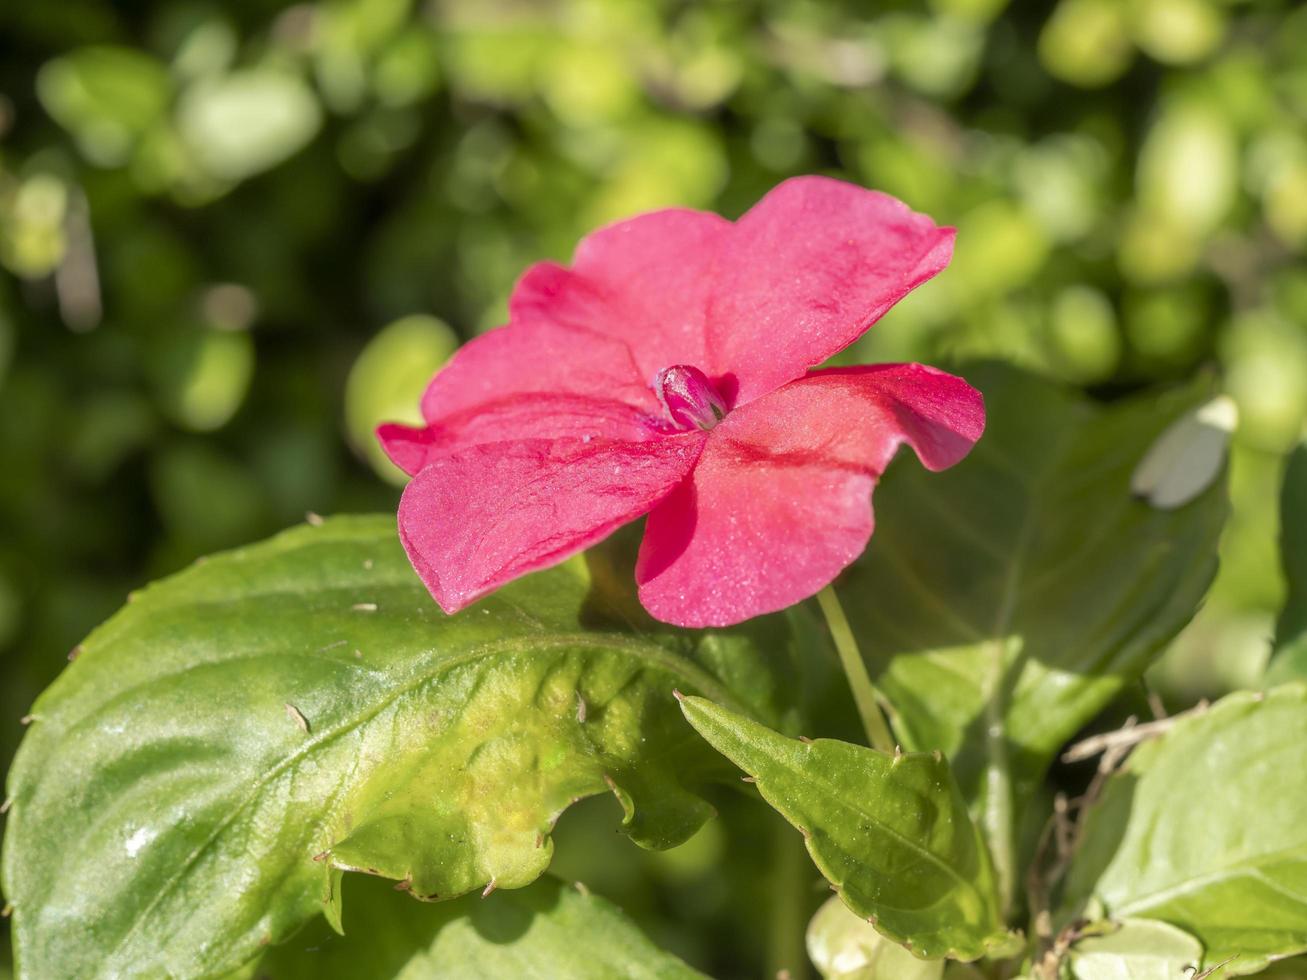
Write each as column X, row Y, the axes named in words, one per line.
column 544, row 931
column 1203, row 829
column 891, row 834
column 193, row 785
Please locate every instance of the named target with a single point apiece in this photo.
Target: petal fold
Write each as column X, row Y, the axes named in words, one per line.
column 476, row 519
column 780, row 501
column 806, row 271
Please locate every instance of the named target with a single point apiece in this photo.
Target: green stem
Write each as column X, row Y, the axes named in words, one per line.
column 997, row 816
column 787, row 953
column 865, row 695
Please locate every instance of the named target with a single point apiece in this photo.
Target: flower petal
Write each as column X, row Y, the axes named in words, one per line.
column 644, row 281
column 780, row 500
column 806, row 271
column 513, row 419
column 473, row 520
column 546, row 359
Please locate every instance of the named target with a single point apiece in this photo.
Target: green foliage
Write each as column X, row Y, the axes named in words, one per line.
column 532, row 933
column 891, row 833
column 1202, row 829
column 1136, row 949
column 245, row 730
column 1003, row 604
column 844, row 947
column 209, row 214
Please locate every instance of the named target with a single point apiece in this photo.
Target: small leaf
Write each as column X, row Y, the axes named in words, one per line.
column 548, row 929
column 844, row 947
column 192, row 786
column 1140, row 949
column 892, row 834
column 1203, row 829
column 1289, row 659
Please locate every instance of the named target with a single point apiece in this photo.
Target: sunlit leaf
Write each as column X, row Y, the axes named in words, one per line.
column 1203, row 829
column 546, row 930
column 845, row 947
column 239, row 124
column 192, row 786
column 891, row 833
column 1139, row 949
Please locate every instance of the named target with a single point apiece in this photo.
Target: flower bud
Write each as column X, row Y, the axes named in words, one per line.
column 689, row 398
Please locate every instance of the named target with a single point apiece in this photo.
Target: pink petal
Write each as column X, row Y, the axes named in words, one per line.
column 780, row 501
column 513, row 419
column 804, row 274
column 474, row 520
column 644, row 281
column 543, row 359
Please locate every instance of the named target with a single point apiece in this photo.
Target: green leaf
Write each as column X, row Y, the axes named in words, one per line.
column 845, row 947
column 1289, row 660
column 239, row 124
column 1204, row 829
column 546, row 930
column 193, row 784
column 1005, row 602
column 891, row 833
column 106, row 96
column 1140, row 949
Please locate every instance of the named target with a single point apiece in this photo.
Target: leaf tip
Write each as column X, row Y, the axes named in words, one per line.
column 313, row 519
column 678, row 695
column 491, row 885
column 26, row 720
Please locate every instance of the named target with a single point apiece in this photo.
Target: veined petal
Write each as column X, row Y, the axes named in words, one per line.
column 512, row 419
column 546, row 359
column 804, row 274
column 476, row 519
column 644, row 281
column 780, row 500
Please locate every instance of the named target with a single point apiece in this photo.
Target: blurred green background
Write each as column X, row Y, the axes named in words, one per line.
column 236, row 235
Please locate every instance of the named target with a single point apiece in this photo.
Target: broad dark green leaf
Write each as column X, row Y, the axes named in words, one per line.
column 1290, row 656
column 193, row 785
column 545, row 931
column 891, row 833
column 1204, row 829
column 1005, row 602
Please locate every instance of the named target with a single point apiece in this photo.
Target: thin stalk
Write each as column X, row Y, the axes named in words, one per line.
column 865, row 695
column 787, row 953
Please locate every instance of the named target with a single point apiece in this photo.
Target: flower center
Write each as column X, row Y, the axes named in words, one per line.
column 689, row 397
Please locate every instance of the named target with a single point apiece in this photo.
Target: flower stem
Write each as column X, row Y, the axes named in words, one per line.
column 865, row 695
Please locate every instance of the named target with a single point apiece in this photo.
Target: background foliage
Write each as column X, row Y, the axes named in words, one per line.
column 234, row 236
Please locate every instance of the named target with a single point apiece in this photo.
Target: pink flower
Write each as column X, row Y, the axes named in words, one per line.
column 668, row 372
